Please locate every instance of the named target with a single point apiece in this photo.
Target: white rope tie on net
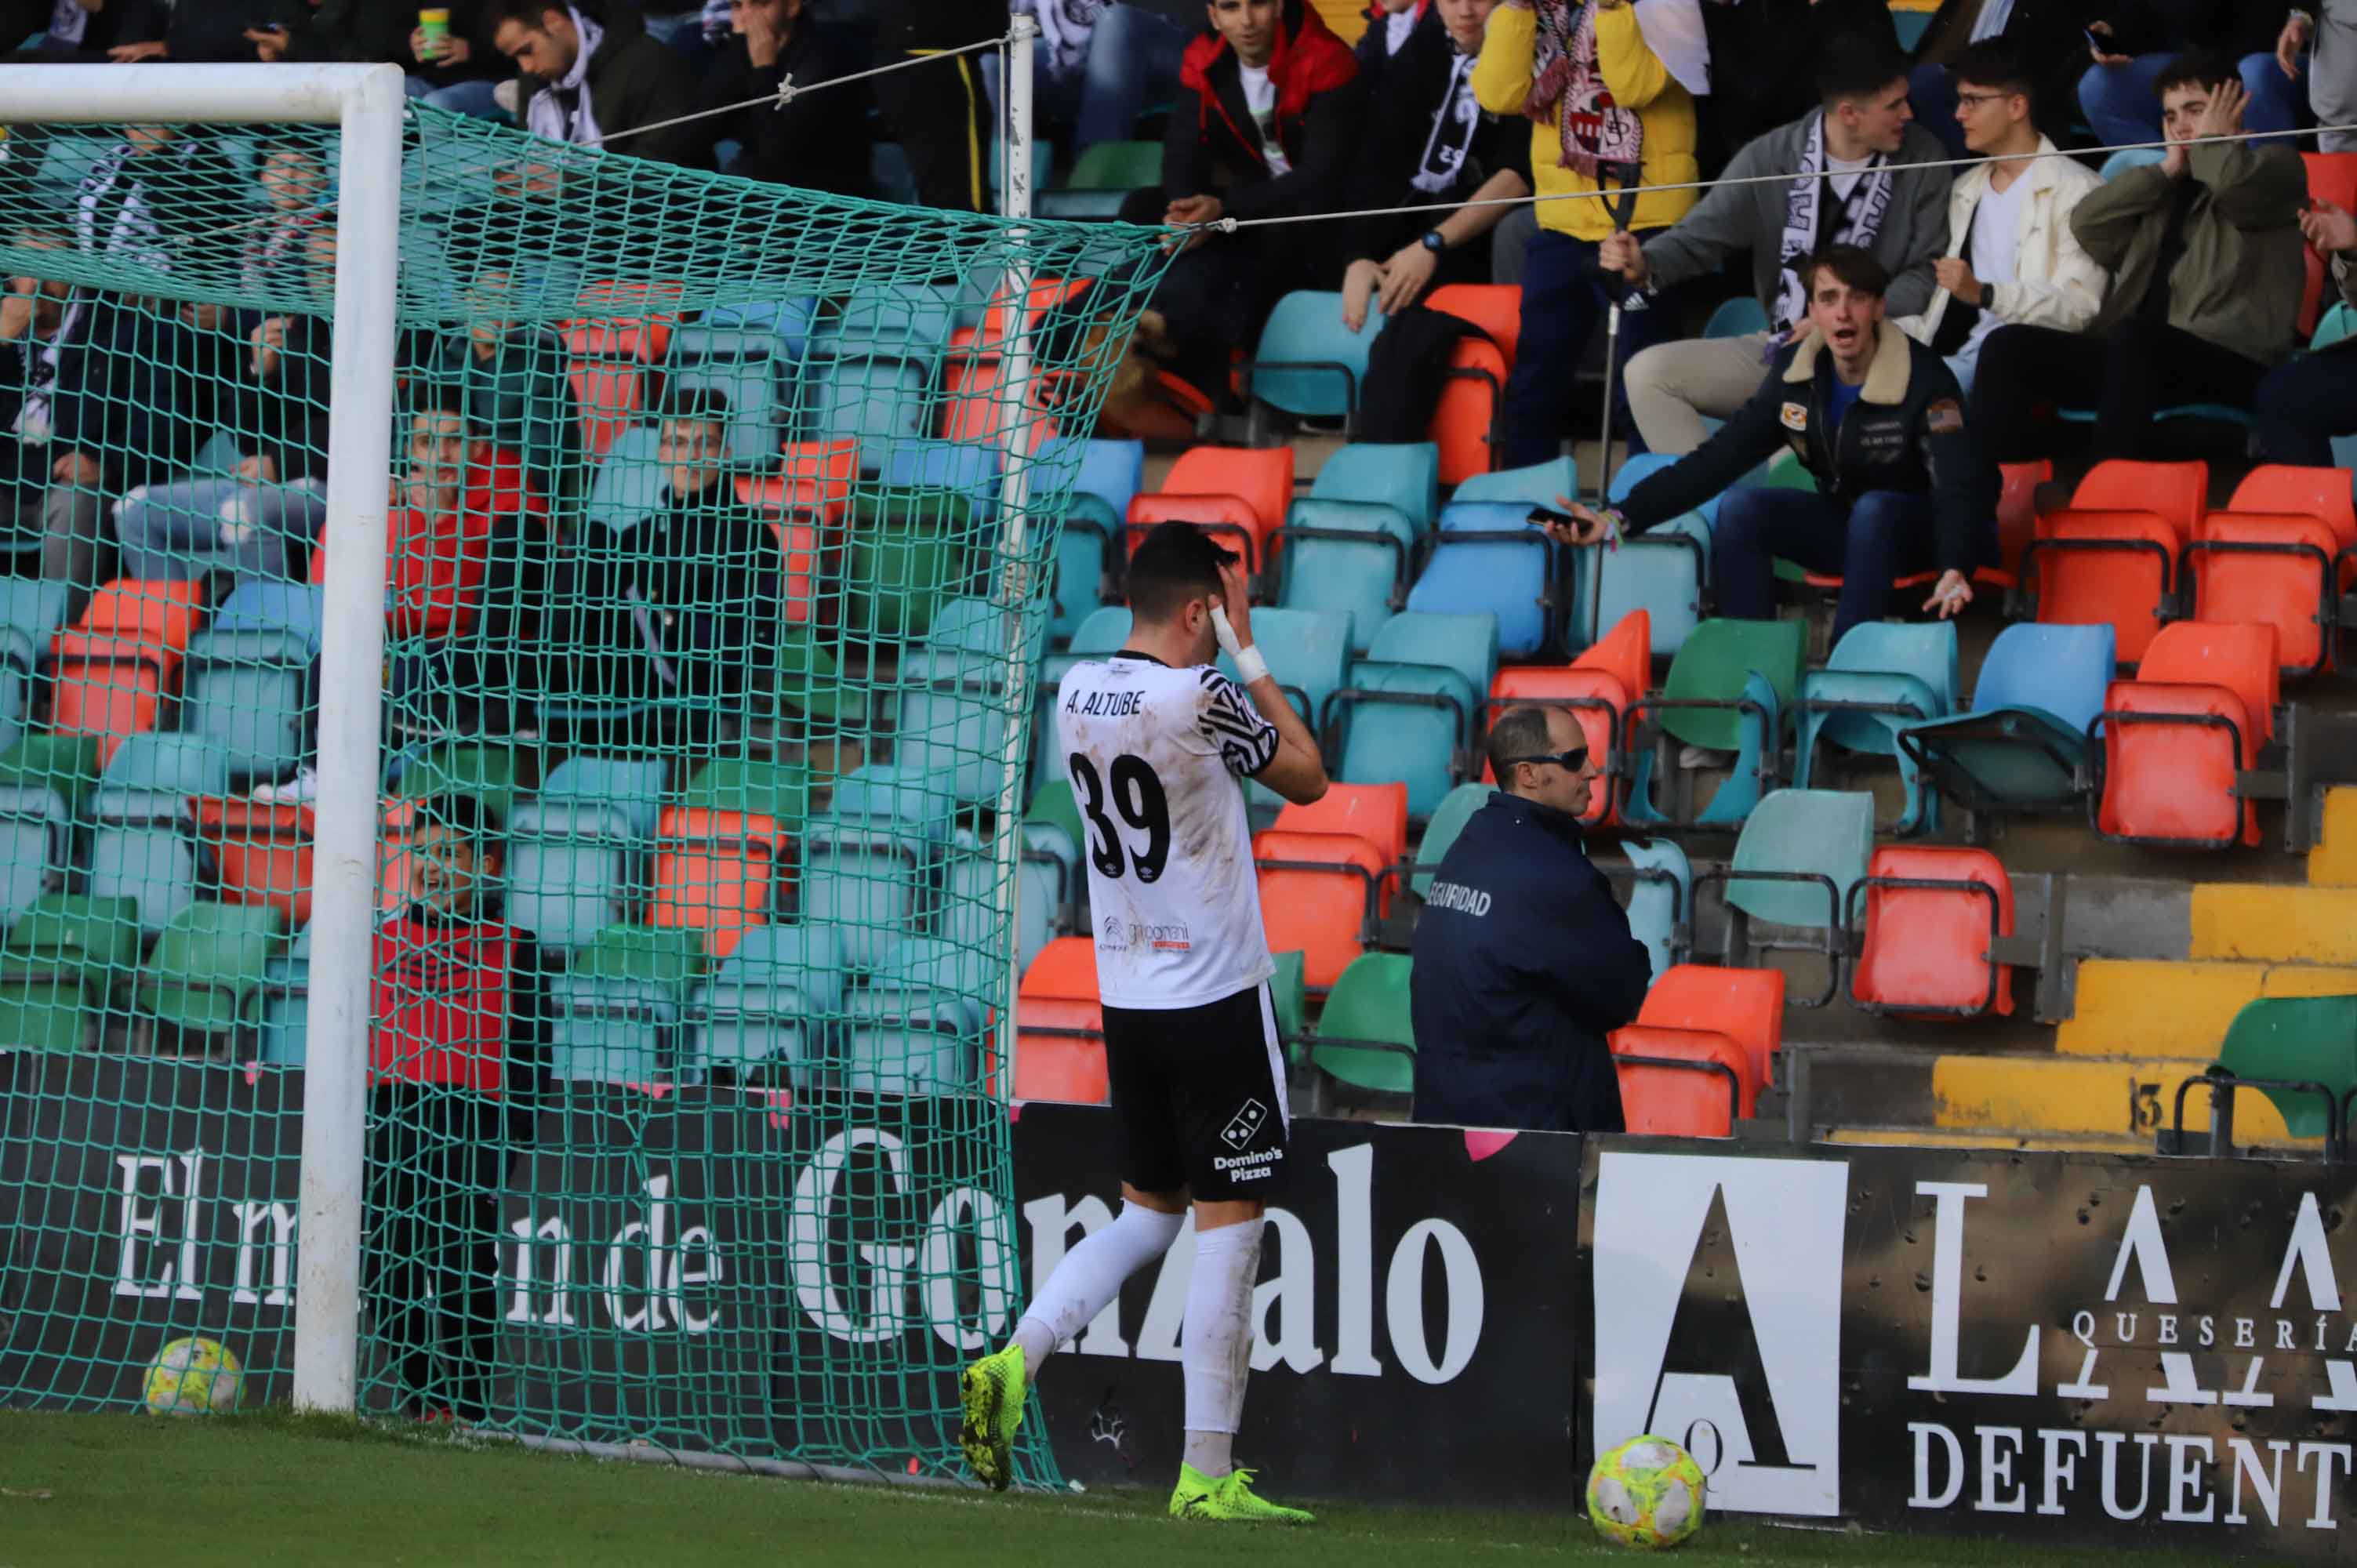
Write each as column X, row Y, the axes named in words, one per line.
column 789, row 90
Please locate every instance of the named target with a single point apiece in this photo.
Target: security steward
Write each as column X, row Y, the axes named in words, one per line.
column 1524, row 959
column 1902, row 485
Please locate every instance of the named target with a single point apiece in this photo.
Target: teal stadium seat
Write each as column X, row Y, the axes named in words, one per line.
column 1801, row 853
column 1540, row 484
column 1880, row 678
column 143, row 845
column 771, row 1008
column 572, row 869
column 871, row 856
column 917, row 1027
column 949, row 701
column 247, row 682
column 1105, row 476
column 1308, row 364
column 1403, row 474
column 1413, row 707
column 617, row 1006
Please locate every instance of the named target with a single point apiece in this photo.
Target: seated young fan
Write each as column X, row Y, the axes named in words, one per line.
column 456, row 1070
column 677, row 605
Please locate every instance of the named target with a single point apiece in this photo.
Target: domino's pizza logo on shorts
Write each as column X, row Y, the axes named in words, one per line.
column 1245, row 1124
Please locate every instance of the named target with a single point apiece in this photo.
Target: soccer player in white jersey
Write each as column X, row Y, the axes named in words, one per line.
column 1156, row 742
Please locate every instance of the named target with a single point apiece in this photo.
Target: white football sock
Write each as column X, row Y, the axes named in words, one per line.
column 1215, row 1343
column 1091, row 1276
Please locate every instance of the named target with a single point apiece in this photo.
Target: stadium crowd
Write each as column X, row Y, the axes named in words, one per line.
column 2011, row 275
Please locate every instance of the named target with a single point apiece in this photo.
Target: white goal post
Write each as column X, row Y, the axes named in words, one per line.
column 366, row 103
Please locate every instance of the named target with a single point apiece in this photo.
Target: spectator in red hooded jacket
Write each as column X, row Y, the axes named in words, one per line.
column 1267, row 125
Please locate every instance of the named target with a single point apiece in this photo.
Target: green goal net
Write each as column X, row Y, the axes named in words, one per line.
column 709, row 682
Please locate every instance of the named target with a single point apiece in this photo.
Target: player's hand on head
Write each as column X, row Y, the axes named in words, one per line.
column 1235, row 598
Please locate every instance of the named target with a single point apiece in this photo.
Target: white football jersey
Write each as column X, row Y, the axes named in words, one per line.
column 1153, row 754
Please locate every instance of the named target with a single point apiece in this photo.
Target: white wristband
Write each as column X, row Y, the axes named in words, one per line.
column 1250, row 664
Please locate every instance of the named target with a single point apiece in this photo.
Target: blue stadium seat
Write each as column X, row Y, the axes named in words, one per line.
column 1355, row 558
column 1487, row 558
column 630, row 483
column 1413, row 705
column 2126, row 158
column 869, row 857
column 2023, row 745
column 142, row 846
column 771, row 1008
column 929, row 466
column 901, row 321
column 1404, row 475
column 1736, row 317
column 1309, row 653
column 1661, row 572
column 1660, row 897
column 1540, row 484
column 633, row 786
column 1308, row 363
column 876, row 402
column 776, row 330
column 756, row 418
column 1881, row 677
column 572, row 869
column 617, row 1006
column 1106, row 474
column 917, row 1027
column 949, row 701
column 247, row 680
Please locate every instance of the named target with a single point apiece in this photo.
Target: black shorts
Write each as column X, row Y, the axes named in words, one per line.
column 1198, row 1097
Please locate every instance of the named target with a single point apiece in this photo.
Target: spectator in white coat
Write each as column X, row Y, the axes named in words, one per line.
column 2011, row 259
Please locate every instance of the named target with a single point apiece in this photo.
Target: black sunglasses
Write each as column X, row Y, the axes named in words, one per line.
column 1575, row 760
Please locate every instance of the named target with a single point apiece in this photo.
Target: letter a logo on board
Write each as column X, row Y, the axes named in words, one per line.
column 1719, row 1319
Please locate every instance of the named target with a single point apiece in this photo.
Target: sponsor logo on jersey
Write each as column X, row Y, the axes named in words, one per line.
column 1242, row 1125
column 1254, row 1167
column 1115, row 934
column 1172, row 938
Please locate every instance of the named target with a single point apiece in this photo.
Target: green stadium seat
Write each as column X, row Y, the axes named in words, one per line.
column 770, row 1008
column 1801, row 853
column 2291, row 1040
column 210, row 965
column 618, row 1005
column 811, row 685
column 907, row 556
column 1881, row 678
column 1288, row 992
column 60, row 965
column 144, row 845
column 1364, row 1038
column 64, row 764
column 572, row 870
column 1728, row 690
column 918, row 1026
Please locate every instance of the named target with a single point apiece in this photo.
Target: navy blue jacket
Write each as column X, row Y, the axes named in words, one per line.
column 1523, row 963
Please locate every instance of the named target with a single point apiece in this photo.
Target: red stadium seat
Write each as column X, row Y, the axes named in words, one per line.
column 1059, row 1027
column 1262, row 476
column 2332, row 176
column 1464, row 421
column 2178, row 493
column 2274, row 569
column 608, row 395
column 111, row 672
column 1317, row 891
column 2095, row 568
column 2016, row 509
column 2320, row 493
column 2175, row 737
column 624, row 320
column 1926, row 949
column 1375, row 813
column 808, row 495
column 1681, row 1083
column 718, row 873
column 1747, row 1005
column 1495, row 309
column 261, row 853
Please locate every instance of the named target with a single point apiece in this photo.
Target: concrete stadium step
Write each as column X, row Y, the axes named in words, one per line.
column 2333, row 862
column 2179, row 1008
column 1998, row 1139
column 2113, row 1096
column 2292, row 923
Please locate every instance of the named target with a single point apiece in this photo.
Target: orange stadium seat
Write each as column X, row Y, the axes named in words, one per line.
column 1254, row 488
column 2332, row 176
column 2175, row 737
column 1495, row 309
column 1597, row 687
column 718, row 873
column 1316, row 894
column 1681, row 1083
column 1375, row 813
column 2017, row 510
column 1059, row 1027
column 2270, row 558
column 1747, row 1005
column 261, row 853
column 2111, row 558
column 111, row 671
column 1926, row 949
column 1464, row 421
column 1238, row 526
column 609, row 395
column 807, row 494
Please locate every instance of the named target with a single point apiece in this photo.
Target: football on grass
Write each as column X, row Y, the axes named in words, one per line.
column 1647, row 1493
column 192, row 1377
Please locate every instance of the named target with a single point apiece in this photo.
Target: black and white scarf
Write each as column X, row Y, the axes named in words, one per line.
column 549, row 113
column 1860, row 220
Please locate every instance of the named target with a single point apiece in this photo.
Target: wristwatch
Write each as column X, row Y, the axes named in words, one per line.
column 1433, row 241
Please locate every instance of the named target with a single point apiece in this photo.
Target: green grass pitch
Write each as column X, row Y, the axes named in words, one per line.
column 278, row 1488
